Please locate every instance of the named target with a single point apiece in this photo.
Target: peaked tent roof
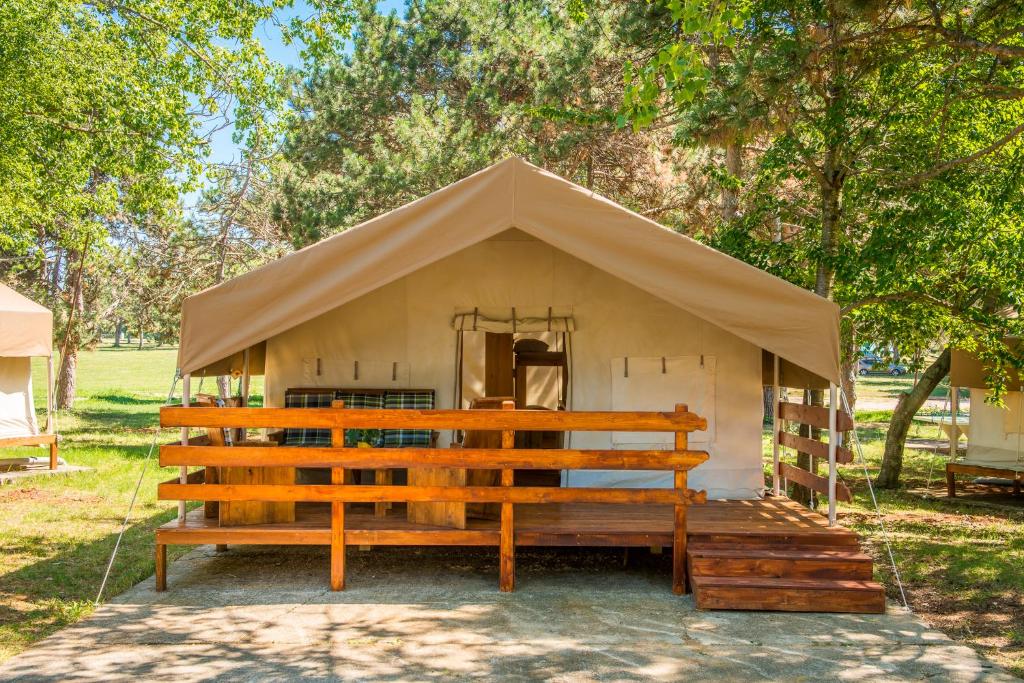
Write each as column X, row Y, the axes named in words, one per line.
column 780, row 317
column 26, row 328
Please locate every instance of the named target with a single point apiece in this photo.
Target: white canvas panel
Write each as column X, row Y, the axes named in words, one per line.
column 659, row 383
column 17, row 413
column 990, row 441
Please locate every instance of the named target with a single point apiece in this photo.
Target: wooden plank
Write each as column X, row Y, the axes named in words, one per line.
column 498, row 362
column 818, row 449
column 35, row 440
column 814, row 481
column 815, row 416
column 161, row 567
column 53, row 455
column 469, row 494
column 440, row 514
column 358, row 418
column 338, row 515
column 389, row 458
column 507, row 549
column 235, row 513
column 679, row 518
column 794, row 595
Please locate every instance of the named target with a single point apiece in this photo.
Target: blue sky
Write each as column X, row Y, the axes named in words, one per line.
column 222, row 148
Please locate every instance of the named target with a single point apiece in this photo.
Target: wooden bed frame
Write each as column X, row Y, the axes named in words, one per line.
column 37, row 440
column 955, row 468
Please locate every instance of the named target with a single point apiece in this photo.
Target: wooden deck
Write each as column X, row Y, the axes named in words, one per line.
column 774, row 520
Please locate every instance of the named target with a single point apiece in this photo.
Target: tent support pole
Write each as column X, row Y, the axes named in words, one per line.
column 51, row 419
column 245, row 378
column 954, row 430
column 186, row 390
column 833, row 441
column 776, row 478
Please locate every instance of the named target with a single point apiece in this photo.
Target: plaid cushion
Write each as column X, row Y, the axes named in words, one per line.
column 357, row 400
column 308, row 437
column 408, row 400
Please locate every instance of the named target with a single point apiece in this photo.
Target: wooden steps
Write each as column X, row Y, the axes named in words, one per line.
column 796, row 562
column 788, row 595
column 819, row 571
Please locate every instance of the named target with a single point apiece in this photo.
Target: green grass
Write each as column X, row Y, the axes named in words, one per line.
column 57, row 533
column 962, row 565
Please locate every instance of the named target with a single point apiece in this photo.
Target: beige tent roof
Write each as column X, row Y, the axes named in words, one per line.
column 777, row 316
column 26, row 328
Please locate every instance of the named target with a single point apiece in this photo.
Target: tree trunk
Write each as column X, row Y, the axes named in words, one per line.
column 224, row 386
column 68, row 374
column 142, row 336
column 830, row 209
column 731, row 195
column 906, row 407
column 118, row 331
column 849, row 374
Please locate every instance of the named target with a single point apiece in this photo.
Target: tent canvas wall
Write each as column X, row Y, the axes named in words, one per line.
column 408, row 322
column 385, row 294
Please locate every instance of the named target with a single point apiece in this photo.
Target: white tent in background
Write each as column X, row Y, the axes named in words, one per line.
column 26, row 330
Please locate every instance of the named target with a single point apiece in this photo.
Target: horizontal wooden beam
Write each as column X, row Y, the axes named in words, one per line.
column 1009, row 472
column 473, row 458
column 813, row 481
column 815, row 416
column 358, row 418
column 423, row 494
column 34, row 440
column 816, row 448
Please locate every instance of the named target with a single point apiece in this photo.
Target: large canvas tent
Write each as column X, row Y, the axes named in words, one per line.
column 26, row 330
column 653, row 317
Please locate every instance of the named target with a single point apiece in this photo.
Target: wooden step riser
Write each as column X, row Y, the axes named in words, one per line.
column 866, row 601
column 846, row 541
column 824, row 568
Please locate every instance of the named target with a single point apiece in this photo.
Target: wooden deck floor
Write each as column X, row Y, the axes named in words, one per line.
column 541, row 525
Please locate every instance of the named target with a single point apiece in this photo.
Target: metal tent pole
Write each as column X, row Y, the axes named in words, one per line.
column 776, row 478
column 833, row 441
column 51, row 419
column 954, row 429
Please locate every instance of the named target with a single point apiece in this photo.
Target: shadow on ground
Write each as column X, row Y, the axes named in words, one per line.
column 436, row 614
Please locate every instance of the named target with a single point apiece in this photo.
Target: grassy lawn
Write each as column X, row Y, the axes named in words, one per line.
column 962, row 566
column 962, row 563
column 57, row 533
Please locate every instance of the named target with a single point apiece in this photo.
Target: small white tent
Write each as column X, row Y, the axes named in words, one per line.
column 26, row 330
column 995, row 442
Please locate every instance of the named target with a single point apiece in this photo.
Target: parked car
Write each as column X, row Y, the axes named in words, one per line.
column 868, row 364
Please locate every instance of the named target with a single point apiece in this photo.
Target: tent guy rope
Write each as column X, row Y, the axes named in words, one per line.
column 135, row 493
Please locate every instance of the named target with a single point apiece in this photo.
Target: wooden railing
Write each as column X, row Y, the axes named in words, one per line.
column 506, row 459
column 816, row 417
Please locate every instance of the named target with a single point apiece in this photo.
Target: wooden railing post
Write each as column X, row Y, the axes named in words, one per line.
column 507, row 549
column 679, row 582
column 337, row 514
